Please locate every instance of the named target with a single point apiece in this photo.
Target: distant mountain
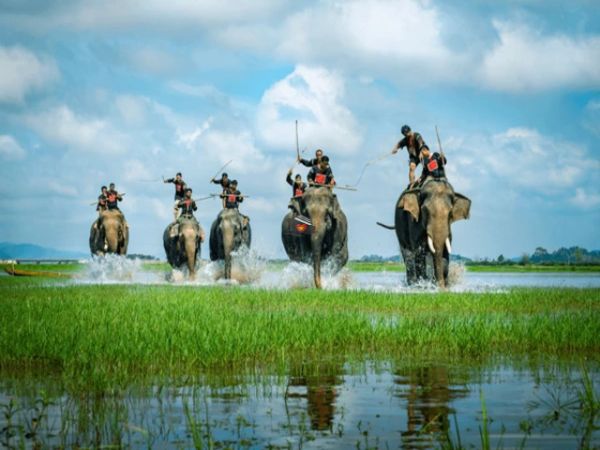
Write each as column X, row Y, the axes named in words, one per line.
column 9, row 250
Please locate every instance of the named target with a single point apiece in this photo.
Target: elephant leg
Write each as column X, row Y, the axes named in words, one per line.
column 409, row 262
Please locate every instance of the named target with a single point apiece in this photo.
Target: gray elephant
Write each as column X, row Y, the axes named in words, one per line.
column 109, row 234
column 182, row 240
column 318, row 233
column 423, row 219
column 229, row 232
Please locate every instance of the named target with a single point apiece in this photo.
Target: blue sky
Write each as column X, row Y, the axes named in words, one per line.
column 99, row 91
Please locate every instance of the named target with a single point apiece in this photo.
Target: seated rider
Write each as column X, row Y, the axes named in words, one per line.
column 231, row 196
column 413, row 143
column 298, row 189
column 224, row 181
column 179, row 192
column 433, row 165
column 101, row 206
column 187, row 205
column 312, row 162
column 112, row 198
column 321, row 174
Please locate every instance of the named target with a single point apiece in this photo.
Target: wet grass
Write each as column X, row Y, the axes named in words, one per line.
column 131, row 329
column 533, row 268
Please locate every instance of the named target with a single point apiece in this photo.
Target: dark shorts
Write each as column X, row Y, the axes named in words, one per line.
column 414, row 159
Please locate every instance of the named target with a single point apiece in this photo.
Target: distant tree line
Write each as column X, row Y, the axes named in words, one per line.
column 541, row 256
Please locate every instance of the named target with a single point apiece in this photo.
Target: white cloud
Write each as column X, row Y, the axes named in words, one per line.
column 191, row 139
column 525, row 60
column 10, row 148
column 75, row 132
column 222, row 146
column 399, row 38
column 314, row 96
column 23, row 72
column 586, row 200
column 521, row 158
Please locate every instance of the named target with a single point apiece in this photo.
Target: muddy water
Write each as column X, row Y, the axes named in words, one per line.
column 376, row 405
column 251, row 270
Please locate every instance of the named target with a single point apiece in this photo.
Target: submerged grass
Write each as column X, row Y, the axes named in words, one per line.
column 127, row 329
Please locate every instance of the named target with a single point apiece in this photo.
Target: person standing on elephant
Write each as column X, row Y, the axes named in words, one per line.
column 112, row 198
column 180, row 187
column 298, row 189
column 224, row 181
column 314, row 161
column 413, row 143
column 231, row 196
column 101, row 206
column 321, row 174
column 433, row 165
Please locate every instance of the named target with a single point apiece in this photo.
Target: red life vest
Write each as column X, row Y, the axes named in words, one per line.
column 320, row 178
column 432, row 165
column 178, row 187
column 231, row 198
column 112, row 198
column 298, row 192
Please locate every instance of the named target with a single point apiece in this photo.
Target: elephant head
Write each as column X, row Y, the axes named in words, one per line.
column 229, row 232
column 182, row 244
column 111, row 234
column 329, row 229
column 436, row 206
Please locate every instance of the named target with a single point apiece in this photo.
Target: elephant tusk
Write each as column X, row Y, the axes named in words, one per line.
column 448, row 246
column 430, row 244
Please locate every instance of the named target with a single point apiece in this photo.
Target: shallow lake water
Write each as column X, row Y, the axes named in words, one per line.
column 374, row 405
column 250, row 270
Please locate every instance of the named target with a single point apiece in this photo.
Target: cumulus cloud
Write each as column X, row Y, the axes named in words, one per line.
column 10, row 149
column 315, row 97
column 522, row 159
column 64, row 127
column 23, row 72
column 525, row 60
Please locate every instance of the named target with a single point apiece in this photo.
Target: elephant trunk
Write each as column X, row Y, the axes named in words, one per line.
column 438, row 239
column 112, row 239
column 227, row 249
column 317, row 248
column 189, row 239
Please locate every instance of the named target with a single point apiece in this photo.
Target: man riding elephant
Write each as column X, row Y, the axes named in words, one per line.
column 182, row 238
column 180, row 187
column 229, row 232
column 298, row 189
column 320, row 232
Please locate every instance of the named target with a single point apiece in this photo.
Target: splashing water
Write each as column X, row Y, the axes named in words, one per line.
column 112, row 269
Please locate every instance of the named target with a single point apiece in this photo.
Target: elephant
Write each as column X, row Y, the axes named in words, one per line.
column 320, row 232
column 109, row 234
column 229, row 232
column 423, row 219
column 182, row 240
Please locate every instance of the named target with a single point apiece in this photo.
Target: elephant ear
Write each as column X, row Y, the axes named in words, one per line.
column 461, row 208
column 410, row 202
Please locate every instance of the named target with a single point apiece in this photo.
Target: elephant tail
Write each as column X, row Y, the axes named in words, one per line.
column 386, row 226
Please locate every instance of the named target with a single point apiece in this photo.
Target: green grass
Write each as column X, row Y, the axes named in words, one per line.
column 69, row 268
column 132, row 329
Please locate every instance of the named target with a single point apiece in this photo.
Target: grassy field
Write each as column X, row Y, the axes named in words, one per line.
column 130, row 329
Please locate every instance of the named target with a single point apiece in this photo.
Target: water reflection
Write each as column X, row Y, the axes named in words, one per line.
column 427, row 393
column 317, row 384
column 383, row 405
